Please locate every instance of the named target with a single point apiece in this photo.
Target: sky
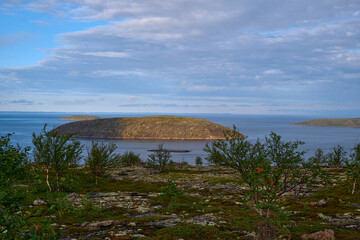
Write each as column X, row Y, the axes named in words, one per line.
column 181, row 56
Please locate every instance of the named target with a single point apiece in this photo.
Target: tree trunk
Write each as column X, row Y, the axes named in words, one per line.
column 265, row 232
column 353, row 189
column 266, row 229
column 47, row 179
column 57, row 182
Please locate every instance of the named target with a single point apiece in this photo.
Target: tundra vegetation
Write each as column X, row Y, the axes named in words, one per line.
column 262, row 189
column 130, row 159
column 161, row 158
column 101, row 158
column 198, row 161
column 56, row 153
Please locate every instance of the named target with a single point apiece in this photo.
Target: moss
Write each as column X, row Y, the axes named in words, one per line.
column 85, row 183
column 89, row 214
column 190, row 231
column 222, row 180
column 181, row 204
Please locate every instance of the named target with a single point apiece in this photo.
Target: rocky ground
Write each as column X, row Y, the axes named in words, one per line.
column 129, row 206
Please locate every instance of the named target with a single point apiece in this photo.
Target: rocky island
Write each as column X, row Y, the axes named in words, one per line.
column 153, row 127
column 331, row 122
column 79, row 118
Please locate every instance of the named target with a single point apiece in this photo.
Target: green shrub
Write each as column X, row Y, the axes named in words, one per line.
column 270, row 170
column 171, row 191
column 56, row 153
column 337, row 157
column 184, row 163
column 174, row 200
column 101, row 158
column 160, row 158
column 15, row 223
column 319, row 157
column 198, row 161
column 353, row 169
column 13, row 161
column 130, row 159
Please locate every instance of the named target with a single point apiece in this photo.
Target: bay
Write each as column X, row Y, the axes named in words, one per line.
column 23, row 124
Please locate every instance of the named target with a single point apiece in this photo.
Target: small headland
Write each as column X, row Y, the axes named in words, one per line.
column 153, row 127
column 79, row 118
column 331, row 122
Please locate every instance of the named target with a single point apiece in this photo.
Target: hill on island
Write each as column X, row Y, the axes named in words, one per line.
column 154, row 127
column 80, row 118
column 332, row 122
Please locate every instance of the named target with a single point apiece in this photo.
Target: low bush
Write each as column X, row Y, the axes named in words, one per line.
column 337, row 158
column 56, row 153
column 161, row 158
column 101, row 158
column 353, row 170
column 130, row 159
column 270, row 170
column 198, row 161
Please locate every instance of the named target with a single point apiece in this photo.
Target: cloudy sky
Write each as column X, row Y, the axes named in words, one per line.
column 181, row 56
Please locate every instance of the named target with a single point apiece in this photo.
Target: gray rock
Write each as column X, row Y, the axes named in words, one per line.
column 96, row 234
column 321, row 203
column 145, row 215
column 73, row 196
column 202, row 220
column 137, row 235
column 99, row 224
column 39, row 202
column 351, row 227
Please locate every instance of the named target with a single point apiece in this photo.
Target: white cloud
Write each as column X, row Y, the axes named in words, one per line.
column 9, row 78
column 107, row 54
column 110, row 73
column 203, row 88
column 264, row 50
column 273, row 71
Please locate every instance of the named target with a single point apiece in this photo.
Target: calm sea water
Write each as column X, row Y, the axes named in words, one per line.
column 23, row 124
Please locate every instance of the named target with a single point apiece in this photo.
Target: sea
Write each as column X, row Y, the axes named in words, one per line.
column 24, row 124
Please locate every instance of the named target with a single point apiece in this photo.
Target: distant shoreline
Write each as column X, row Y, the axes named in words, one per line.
column 331, row 122
column 79, row 118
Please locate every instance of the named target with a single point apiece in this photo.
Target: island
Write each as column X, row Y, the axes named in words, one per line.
column 80, row 118
column 154, row 127
column 331, row 122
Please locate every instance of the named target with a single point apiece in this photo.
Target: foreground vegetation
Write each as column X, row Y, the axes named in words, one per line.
column 253, row 190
